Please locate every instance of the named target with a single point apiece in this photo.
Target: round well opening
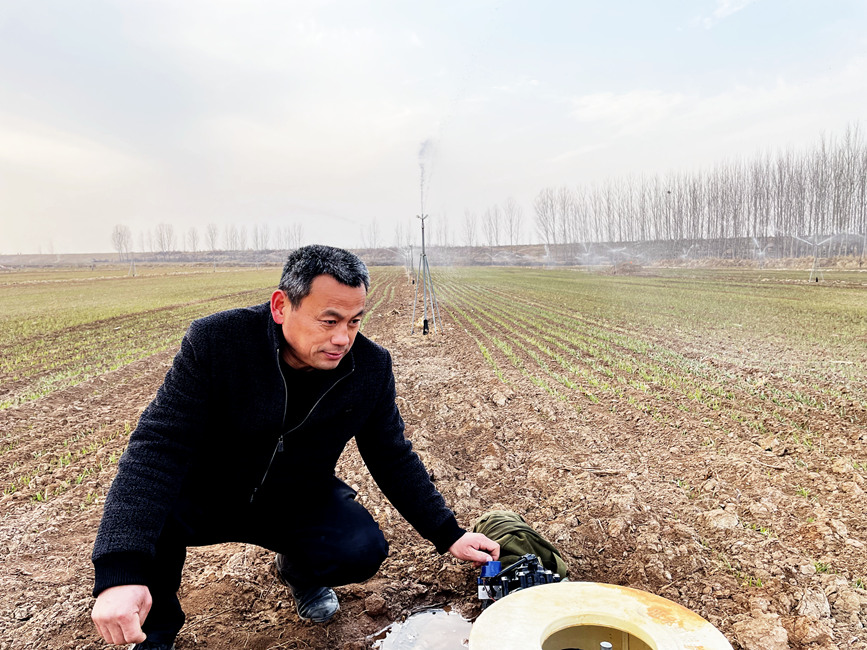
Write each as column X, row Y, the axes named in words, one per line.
column 588, row 637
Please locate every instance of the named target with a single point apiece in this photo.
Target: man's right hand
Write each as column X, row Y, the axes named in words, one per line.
column 120, row 611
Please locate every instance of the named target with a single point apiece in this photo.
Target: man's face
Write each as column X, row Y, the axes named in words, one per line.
column 321, row 330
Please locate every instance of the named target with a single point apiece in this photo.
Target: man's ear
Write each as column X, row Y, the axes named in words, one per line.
column 279, row 304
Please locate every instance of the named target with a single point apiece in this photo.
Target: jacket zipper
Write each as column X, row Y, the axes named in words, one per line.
column 279, row 447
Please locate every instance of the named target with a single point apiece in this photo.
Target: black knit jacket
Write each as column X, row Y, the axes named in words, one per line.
column 212, row 435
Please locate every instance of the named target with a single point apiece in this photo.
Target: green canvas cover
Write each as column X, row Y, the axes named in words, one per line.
column 516, row 538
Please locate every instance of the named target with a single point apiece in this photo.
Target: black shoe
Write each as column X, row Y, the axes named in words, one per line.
column 317, row 604
column 153, row 645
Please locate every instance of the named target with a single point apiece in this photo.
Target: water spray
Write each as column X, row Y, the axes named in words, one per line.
column 816, row 273
column 760, row 251
column 425, row 156
column 586, row 255
column 614, row 253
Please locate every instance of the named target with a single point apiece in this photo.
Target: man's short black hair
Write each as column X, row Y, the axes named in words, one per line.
column 304, row 264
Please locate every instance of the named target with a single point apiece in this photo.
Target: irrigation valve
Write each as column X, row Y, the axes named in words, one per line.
column 496, row 583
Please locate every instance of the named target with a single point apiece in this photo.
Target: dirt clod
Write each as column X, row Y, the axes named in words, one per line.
column 375, row 605
column 762, row 632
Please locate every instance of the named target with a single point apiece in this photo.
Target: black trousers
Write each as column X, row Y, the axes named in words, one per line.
column 328, row 538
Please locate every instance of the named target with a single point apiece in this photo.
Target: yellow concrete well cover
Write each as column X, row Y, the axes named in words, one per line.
column 581, row 615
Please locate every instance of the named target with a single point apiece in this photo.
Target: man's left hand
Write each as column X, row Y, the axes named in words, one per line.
column 473, row 547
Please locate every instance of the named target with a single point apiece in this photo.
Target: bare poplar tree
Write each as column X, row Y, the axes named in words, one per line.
column 399, row 247
column 296, row 235
column 470, row 227
column 211, row 233
column 165, row 238
column 281, row 238
column 565, row 215
column 242, row 238
column 193, row 239
column 230, row 235
column 860, row 213
column 398, row 235
column 256, row 238
column 261, row 236
column 441, row 228
column 121, row 240
column 546, row 220
column 513, row 215
column 370, row 235
column 491, row 229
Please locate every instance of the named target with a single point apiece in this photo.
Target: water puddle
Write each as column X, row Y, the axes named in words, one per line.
column 431, row 629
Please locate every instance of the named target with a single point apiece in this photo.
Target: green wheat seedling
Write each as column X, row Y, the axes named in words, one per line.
column 657, row 377
column 722, row 383
column 821, row 567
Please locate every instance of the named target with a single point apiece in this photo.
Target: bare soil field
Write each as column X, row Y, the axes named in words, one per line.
column 759, row 531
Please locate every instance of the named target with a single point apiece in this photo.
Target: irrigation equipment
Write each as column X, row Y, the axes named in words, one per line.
column 760, row 251
column 686, row 252
column 496, row 583
column 816, row 273
column 585, row 256
column 424, row 283
column 614, row 252
column 863, row 237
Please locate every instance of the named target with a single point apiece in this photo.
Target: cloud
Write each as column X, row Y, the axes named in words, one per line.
column 820, row 99
column 62, row 155
column 651, row 131
column 522, row 85
column 574, row 154
column 295, row 42
column 632, row 111
column 724, row 9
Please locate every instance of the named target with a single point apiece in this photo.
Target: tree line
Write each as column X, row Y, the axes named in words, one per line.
column 163, row 240
column 786, row 203
column 781, row 204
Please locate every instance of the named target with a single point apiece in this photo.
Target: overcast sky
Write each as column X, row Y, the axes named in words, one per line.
column 270, row 111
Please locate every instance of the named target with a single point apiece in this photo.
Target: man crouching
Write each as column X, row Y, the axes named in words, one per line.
column 240, row 444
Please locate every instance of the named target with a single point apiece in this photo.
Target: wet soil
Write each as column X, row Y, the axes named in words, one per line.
column 765, row 543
